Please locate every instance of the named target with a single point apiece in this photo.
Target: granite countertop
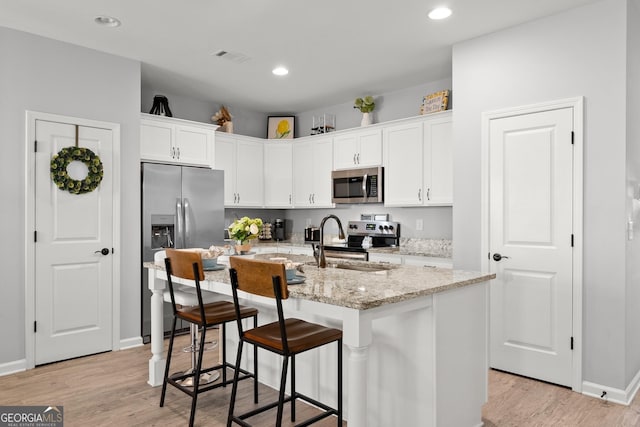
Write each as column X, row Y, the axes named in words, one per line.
column 364, row 290
column 436, row 248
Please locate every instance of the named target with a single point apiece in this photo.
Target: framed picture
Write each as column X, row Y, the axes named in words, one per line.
column 281, row 127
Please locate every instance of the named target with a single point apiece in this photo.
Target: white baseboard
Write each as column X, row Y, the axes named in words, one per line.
column 13, row 367
column 623, row 397
column 21, row 365
column 131, row 343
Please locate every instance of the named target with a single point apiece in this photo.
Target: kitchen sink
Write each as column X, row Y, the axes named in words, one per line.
column 361, row 267
column 364, row 267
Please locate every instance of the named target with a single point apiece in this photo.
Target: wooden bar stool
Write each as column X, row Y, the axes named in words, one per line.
column 186, row 297
column 287, row 337
column 188, row 265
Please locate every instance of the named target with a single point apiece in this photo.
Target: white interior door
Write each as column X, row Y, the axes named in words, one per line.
column 73, row 279
column 530, row 237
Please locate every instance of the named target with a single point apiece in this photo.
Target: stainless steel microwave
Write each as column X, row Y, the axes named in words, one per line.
column 357, row 185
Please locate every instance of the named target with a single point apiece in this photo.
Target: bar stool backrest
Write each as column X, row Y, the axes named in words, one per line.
column 256, row 276
column 264, row 278
column 185, row 265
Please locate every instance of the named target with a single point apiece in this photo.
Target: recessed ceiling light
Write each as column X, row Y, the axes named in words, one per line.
column 280, row 71
column 440, row 13
column 107, row 21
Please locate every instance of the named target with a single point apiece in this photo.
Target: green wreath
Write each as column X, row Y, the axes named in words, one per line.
column 61, row 177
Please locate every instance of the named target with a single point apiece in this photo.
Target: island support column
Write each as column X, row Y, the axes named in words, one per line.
column 157, row 362
column 357, row 338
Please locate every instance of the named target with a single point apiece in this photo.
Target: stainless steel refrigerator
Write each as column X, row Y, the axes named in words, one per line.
column 182, row 207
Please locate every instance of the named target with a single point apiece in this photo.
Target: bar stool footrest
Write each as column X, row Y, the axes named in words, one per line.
column 239, row 419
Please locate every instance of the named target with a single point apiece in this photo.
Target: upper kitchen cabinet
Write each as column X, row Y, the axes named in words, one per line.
column 418, row 161
column 360, row 148
column 241, row 158
column 169, row 140
column 278, row 174
column 438, row 161
column 403, row 158
column 312, row 165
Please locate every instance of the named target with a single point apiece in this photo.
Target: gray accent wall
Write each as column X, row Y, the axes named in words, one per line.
column 245, row 122
column 44, row 75
column 389, row 106
column 582, row 52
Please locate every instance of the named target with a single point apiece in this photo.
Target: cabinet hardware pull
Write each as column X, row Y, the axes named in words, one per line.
column 419, row 194
column 289, row 198
column 313, row 197
column 354, row 158
column 358, row 158
column 428, row 190
column 309, row 198
column 178, row 149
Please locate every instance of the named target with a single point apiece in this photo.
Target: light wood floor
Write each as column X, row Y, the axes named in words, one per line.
column 110, row 389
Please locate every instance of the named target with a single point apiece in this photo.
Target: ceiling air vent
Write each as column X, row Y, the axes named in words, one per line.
column 236, row 57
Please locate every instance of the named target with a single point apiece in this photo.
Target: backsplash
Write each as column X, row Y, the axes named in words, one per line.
column 434, row 247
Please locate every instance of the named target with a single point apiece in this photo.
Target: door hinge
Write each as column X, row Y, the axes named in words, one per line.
column 572, row 240
column 571, row 344
column 35, row 326
column 35, row 146
column 35, row 236
column 572, row 137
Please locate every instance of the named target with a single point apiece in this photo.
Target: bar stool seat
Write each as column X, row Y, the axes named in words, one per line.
column 287, row 337
column 188, row 265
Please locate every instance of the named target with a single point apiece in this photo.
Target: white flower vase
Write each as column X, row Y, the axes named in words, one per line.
column 366, row 119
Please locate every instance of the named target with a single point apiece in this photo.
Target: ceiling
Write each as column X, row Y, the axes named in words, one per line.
column 335, row 50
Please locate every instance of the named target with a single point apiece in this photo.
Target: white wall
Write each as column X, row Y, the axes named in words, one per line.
column 577, row 53
column 43, row 75
column 633, row 191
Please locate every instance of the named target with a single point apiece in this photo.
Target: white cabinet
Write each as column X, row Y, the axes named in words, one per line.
column 403, row 161
column 312, row 165
column 169, row 140
column 438, row 161
column 278, row 174
column 418, row 162
column 361, row 148
column 241, row 158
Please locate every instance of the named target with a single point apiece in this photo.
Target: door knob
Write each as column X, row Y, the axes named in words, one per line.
column 498, row 257
column 103, row 251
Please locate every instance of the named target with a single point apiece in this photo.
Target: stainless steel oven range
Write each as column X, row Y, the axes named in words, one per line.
column 374, row 234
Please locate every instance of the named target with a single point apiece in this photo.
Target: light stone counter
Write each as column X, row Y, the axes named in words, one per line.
column 415, row 339
column 364, row 290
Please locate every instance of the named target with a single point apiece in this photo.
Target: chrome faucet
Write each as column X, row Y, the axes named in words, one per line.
column 319, row 255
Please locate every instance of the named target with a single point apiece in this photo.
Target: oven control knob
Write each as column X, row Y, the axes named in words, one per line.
column 380, row 227
column 391, row 228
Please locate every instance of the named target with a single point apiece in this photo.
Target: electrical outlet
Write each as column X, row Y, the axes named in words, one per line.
column 418, row 224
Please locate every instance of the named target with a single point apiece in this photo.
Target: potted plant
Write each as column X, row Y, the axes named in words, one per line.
column 242, row 231
column 366, row 105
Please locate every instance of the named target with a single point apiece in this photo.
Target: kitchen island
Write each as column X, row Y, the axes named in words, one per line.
column 415, row 339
